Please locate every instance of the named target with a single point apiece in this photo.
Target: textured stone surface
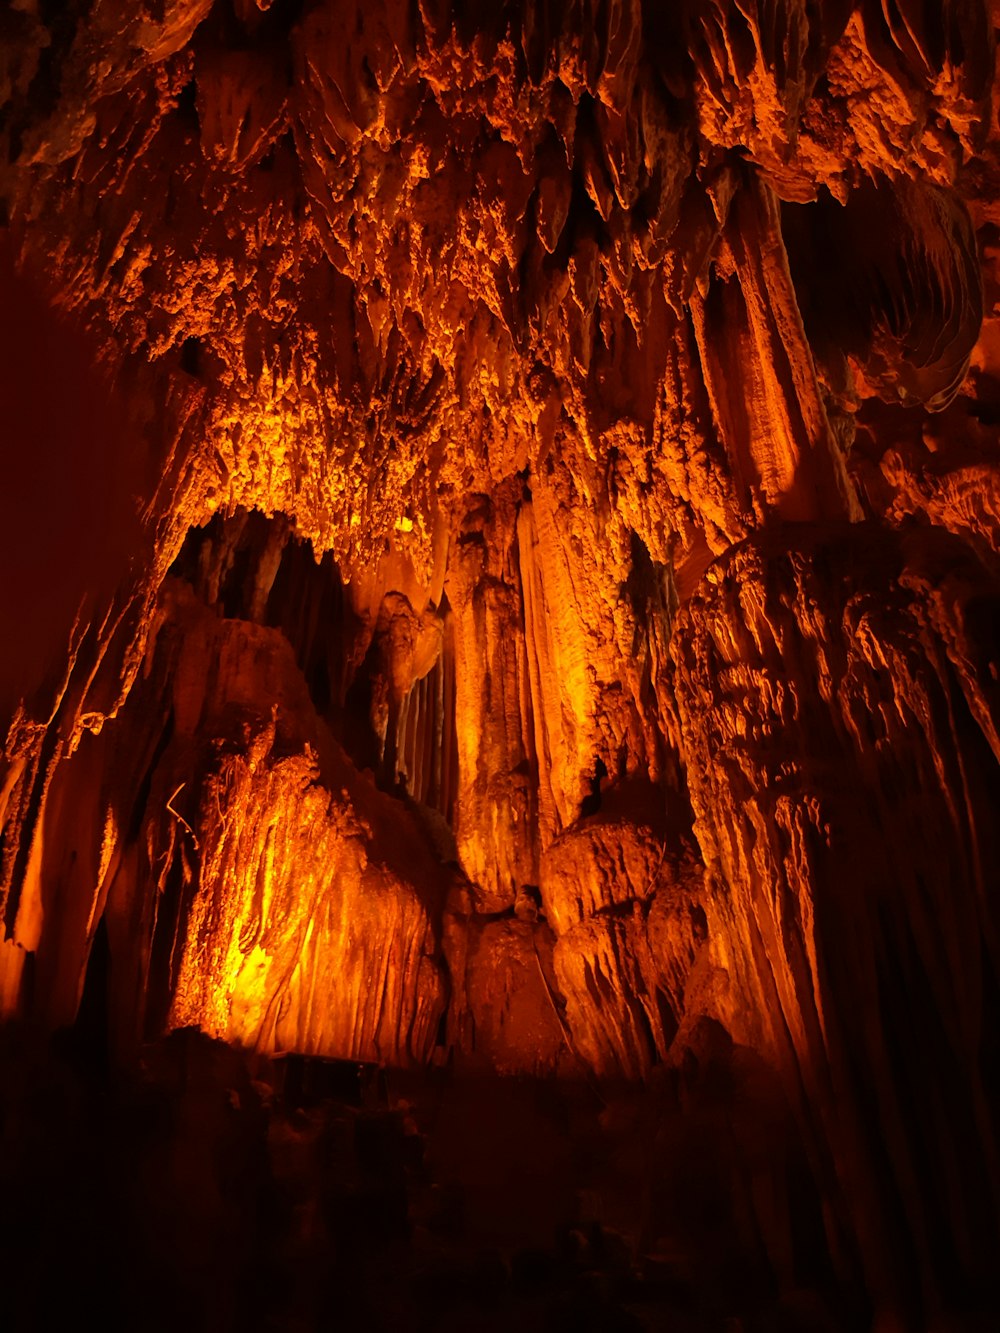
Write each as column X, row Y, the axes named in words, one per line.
column 526, row 593
column 842, row 905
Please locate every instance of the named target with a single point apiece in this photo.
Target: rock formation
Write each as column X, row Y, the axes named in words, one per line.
column 501, row 547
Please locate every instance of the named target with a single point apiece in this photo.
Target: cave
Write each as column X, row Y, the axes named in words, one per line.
column 500, row 666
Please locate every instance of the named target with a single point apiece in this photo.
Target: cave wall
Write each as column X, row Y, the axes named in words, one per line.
column 514, row 579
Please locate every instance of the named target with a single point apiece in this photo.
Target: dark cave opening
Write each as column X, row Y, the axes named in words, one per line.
column 254, row 568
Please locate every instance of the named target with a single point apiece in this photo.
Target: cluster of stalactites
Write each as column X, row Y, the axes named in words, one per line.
column 407, row 248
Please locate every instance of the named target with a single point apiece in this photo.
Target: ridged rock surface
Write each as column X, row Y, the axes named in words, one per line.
column 501, row 547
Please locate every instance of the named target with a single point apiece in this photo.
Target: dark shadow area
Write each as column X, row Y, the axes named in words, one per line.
column 203, row 1190
column 68, row 513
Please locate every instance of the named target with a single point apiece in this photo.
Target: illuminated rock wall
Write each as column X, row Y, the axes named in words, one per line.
column 545, row 604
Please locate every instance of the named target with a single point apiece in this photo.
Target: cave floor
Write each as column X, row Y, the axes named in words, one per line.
column 203, row 1192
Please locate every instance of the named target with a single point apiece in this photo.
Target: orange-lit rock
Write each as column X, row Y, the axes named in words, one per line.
column 506, row 569
column 295, row 941
column 841, row 906
column 629, row 922
column 506, row 1010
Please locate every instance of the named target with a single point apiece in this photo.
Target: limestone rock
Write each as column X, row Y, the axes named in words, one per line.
column 503, row 509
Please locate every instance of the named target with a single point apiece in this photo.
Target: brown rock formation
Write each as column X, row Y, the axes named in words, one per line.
column 500, row 545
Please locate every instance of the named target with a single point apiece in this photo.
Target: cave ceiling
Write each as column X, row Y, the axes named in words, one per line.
column 384, row 257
